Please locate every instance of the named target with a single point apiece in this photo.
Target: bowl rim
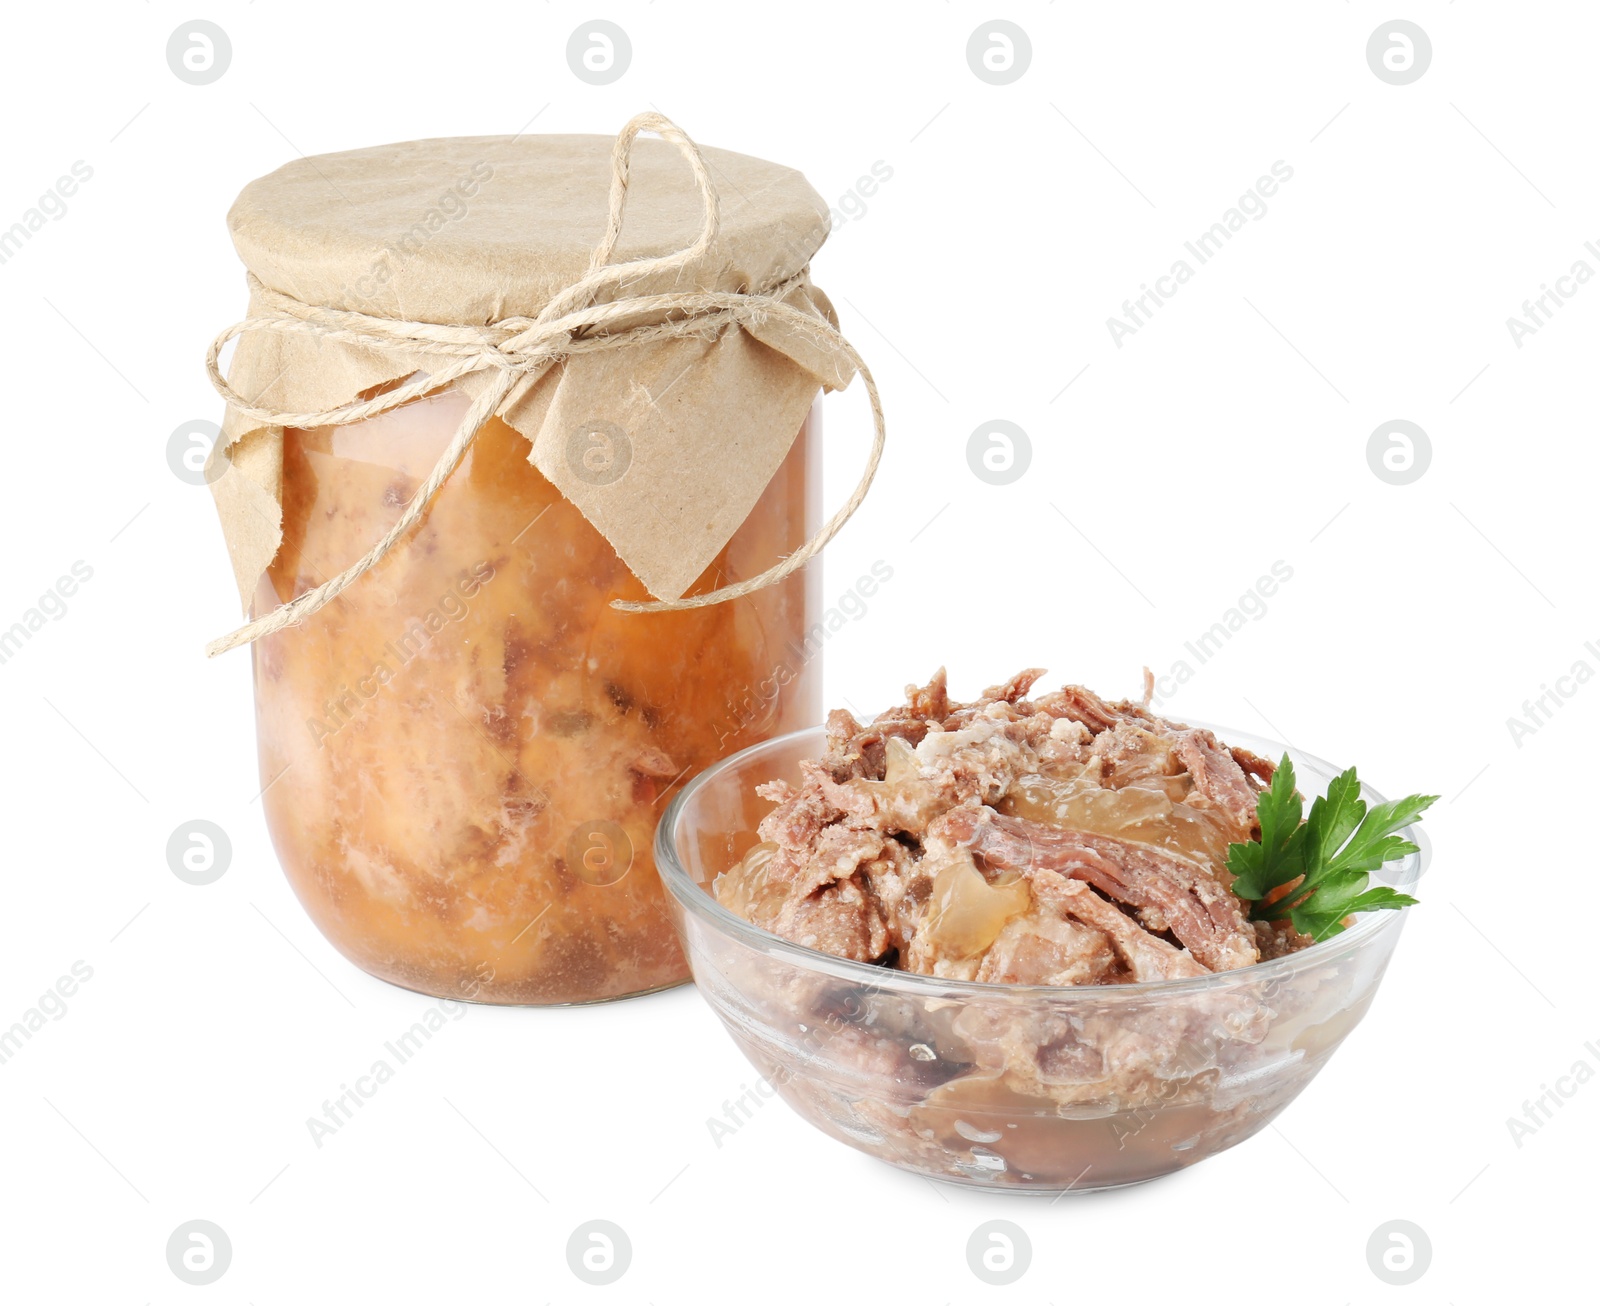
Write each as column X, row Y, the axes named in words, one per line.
column 1369, row 927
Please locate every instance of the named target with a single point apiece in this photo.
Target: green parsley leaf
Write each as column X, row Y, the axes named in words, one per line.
column 1261, row 867
column 1324, row 861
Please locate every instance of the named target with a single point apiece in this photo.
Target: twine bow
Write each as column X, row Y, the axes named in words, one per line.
column 517, row 350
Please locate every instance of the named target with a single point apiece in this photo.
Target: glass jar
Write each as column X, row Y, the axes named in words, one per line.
column 465, row 754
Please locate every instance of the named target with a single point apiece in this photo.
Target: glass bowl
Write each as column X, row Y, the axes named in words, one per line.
column 1018, row 1087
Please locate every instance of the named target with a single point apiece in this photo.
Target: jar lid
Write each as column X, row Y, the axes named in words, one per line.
column 479, row 228
column 452, row 236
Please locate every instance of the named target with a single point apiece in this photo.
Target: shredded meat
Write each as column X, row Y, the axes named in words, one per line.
column 840, row 918
column 1218, row 778
column 1145, row 956
column 1279, row 939
column 1169, row 892
column 1050, row 947
column 1058, row 840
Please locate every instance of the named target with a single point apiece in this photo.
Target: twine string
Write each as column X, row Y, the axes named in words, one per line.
column 518, row 350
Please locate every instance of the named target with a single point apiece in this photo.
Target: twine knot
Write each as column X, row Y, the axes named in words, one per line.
column 518, row 350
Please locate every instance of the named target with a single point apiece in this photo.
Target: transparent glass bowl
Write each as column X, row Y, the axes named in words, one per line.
column 1024, row 1088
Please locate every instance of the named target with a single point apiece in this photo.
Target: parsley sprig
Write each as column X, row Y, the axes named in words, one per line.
column 1324, row 860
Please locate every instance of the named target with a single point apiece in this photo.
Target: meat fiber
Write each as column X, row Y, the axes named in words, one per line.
column 1168, row 892
column 1063, row 840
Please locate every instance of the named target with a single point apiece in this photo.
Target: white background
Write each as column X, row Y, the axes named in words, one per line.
column 1166, row 476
